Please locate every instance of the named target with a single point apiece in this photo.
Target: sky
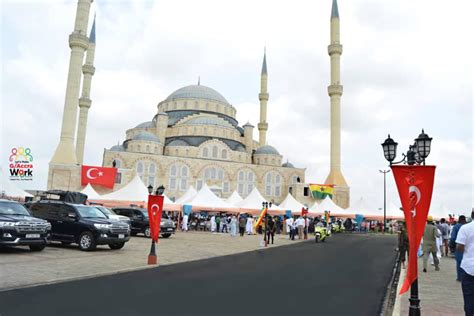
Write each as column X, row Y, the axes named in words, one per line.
column 406, row 65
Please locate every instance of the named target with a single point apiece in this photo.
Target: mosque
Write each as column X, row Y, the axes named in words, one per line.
column 193, row 137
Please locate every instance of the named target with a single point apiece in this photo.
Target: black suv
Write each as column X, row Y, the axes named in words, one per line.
column 141, row 224
column 81, row 224
column 18, row 227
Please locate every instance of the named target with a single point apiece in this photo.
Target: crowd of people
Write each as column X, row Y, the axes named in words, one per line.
column 442, row 239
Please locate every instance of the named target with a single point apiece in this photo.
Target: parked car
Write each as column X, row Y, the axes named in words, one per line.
column 112, row 215
column 81, row 224
column 18, row 227
column 141, row 224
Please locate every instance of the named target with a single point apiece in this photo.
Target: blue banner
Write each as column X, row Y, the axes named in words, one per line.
column 288, row 214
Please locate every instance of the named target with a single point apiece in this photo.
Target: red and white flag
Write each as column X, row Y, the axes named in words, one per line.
column 104, row 176
column 415, row 187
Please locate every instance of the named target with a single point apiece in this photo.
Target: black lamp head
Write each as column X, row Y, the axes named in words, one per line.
column 150, row 189
column 390, row 149
column 160, row 190
column 423, row 144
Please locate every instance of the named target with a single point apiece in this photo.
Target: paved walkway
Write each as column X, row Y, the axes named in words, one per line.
column 19, row 267
column 439, row 292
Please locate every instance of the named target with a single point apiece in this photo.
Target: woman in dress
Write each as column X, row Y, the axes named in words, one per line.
column 249, row 225
column 233, row 226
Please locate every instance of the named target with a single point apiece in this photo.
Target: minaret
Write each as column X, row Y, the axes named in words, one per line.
column 263, row 97
column 85, row 102
column 65, row 153
column 335, row 92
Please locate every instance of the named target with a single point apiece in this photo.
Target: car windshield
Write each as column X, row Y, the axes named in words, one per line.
column 144, row 212
column 90, row 212
column 12, row 208
column 105, row 210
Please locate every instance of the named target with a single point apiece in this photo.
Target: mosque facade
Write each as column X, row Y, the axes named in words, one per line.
column 193, row 138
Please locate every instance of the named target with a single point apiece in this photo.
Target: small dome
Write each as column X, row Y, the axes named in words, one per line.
column 287, row 165
column 240, row 148
column 197, row 92
column 147, row 136
column 207, row 120
column 177, row 142
column 266, row 150
column 149, row 124
column 117, row 148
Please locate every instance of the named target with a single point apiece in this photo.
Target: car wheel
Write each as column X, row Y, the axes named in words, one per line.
column 86, row 241
column 147, row 232
column 316, row 239
column 117, row 245
column 37, row 247
column 165, row 235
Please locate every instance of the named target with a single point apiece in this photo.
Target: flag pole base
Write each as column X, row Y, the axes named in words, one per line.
column 152, row 258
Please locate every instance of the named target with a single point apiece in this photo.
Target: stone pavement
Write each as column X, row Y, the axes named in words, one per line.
column 19, row 267
column 439, row 292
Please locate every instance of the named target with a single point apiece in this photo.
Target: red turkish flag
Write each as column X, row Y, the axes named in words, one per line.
column 98, row 175
column 415, row 187
column 155, row 209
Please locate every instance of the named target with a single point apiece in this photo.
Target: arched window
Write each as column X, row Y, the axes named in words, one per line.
column 245, row 182
column 214, row 151
column 294, row 179
column 151, row 174
column 205, row 152
column 147, row 148
column 273, row 184
column 183, row 183
column 173, row 176
column 118, row 163
column 215, row 177
column 224, row 154
column 139, row 147
column 140, row 170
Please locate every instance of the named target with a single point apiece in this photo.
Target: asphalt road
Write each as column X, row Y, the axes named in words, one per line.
column 347, row 275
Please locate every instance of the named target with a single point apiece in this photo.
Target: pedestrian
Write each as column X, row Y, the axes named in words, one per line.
column 293, row 229
column 249, row 225
column 429, row 243
column 305, row 228
column 278, row 224
column 465, row 245
column 300, row 223
column 213, row 224
column 242, row 223
column 233, row 226
column 270, row 229
column 289, row 224
column 403, row 244
column 444, row 228
column 452, row 244
column 218, row 223
column 224, row 224
column 184, row 226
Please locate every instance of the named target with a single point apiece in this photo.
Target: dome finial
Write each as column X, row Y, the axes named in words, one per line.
column 334, row 11
column 264, row 65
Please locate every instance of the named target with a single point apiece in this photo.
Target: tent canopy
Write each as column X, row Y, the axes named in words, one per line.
column 90, row 192
column 234, row 198
column 205, row 199
column 253, row 204
column 291, row 204
column 189, row 194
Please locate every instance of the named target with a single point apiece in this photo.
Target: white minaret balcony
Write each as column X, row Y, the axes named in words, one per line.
column 335, row 89
column 335, row 49
column 76, row 39
column 263, row 96
column 88, row 69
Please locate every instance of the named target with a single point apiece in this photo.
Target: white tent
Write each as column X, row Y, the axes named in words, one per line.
column 253, row 204
column 10, row 189
column 291, row 204
column 328, row 205
column 394, row 211
column 206, row 200
column 135, row 190
column 314, row 209
column 189, row 194
column 234, row 198
column 167, row 201
column 90, row 192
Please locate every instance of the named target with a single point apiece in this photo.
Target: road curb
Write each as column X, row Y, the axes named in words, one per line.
column 390, row 297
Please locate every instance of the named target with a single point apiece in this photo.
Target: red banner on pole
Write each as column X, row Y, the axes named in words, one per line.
column 155, row 209
column 104, row 176
column 415, row 187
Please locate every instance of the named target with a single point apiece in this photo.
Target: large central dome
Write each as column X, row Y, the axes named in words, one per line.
column 197, row 92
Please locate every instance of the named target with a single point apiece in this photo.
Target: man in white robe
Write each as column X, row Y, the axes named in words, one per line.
column 213, row 224
column 185, row 223
column 249, row 226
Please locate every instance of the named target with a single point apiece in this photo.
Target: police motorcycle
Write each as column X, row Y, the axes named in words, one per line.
column 321, row 232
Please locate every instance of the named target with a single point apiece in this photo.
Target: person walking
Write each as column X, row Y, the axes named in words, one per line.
column 270, row 229
column 452, row 244
column 184, row 226
column 249, row 225
column 233, row 226
column 465, row 245
column 300, row 222
column 403, row 244
column 293, row 229
column 213, row 224
column 218, row 223
column 242, row 224
column 289, row 223
column 444, row 228
column 429, row 243
column 224, row 224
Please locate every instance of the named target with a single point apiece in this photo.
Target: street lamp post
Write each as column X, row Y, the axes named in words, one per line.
column 152, row 258
column 416, row 154
column 384, row 199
